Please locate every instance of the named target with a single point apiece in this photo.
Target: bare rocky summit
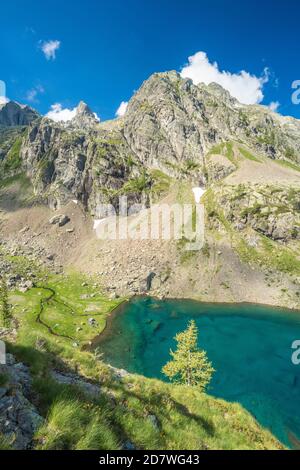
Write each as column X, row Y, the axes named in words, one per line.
column 170, row 125
column 15, row 114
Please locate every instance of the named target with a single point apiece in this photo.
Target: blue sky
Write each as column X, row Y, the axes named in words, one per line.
column 106, row 49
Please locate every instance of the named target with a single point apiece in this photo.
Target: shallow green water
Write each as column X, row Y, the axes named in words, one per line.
column 249, row 346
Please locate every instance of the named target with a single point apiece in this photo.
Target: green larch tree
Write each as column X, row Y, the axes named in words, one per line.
column 189, row 365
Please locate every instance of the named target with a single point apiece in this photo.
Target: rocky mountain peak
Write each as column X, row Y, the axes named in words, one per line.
column 83, row 109
column 171, row 125
column 85, row 117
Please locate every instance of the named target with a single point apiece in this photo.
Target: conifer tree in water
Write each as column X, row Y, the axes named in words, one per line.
column 4, row 305
column 190, row 365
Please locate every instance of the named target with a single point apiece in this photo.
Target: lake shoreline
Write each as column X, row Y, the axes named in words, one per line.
column 96, row 341
column 249, row 345
column 110, row 317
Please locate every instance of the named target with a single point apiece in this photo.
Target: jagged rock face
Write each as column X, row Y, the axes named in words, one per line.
column 273, row 211
column 165, row 123
column 170, row 124
column 13, row 114
column 84, row 118
column 218, row 167
column 90, row 165
column 19, row 418
column 170, row 120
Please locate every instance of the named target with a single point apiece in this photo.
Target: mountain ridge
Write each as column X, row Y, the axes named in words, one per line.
column 170, row 124
column 15, row 114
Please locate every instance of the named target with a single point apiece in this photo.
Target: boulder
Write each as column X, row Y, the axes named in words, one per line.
column 19, row 419
column 73, row 379
column 92, row 322
column 59, row 220
column 146, row 283
column 25, row 286
column 64, row 219
column 24, row 229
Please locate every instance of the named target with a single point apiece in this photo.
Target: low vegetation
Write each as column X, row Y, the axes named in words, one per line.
column 5, row 309
column 13, row 161
column 248, row 155
column 288, row 164
column 161, row 184
column 267, row 252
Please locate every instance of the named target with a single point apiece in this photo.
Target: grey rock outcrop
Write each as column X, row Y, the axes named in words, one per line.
column 19, row 419
column 270, row 210
column 73, row 379
column 92, row 166
column 84, row 118
column 15, row 114
column 170, row 121
column 146, row 284
column 59, row 220
column 218, row 167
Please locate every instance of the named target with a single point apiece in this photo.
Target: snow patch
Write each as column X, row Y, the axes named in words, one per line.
column 198, row 193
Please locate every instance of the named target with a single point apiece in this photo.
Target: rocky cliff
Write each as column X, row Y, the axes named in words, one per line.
column 15, row 114
column 170, row 125
column 173, row 136
column 19, row 418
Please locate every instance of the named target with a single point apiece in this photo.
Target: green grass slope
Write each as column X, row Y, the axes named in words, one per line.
column 129, row 411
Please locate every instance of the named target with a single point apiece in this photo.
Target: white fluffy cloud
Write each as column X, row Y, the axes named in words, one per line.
column 49, row 48
column 274, row 105
column 122, row 109
column 246, row 88
column 57, row 113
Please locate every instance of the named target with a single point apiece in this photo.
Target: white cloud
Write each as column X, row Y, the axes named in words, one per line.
column 122, row 109
column 246, row 88
column 32, row 94
column 274, row 105
column 49, row 48
column 57, row 113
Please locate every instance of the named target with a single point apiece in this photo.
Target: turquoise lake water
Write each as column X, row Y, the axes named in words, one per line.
column 249, row 346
